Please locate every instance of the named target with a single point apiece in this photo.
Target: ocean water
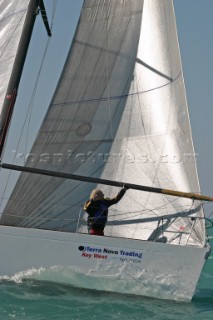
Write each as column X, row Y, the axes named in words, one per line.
column 25, row 299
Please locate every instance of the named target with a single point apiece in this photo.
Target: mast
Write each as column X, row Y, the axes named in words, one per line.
column 189, row 195
column 115, row 115
column 12, row 89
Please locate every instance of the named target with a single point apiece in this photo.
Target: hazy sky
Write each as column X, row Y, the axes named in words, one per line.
column 194, row 25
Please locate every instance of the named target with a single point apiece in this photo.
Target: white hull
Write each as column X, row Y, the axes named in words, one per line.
column 128, row 266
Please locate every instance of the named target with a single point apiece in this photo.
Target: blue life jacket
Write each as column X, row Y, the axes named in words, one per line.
column 100, row 215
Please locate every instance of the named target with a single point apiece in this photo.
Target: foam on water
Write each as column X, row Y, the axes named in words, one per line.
column 164, row 286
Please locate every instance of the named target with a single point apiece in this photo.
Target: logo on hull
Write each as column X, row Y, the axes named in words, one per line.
column 124, row 255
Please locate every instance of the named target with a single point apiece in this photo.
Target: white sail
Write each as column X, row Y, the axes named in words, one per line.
column 120, row 113
column 12, row 17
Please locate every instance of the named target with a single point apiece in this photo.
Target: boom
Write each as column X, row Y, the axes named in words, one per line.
column 189, row 195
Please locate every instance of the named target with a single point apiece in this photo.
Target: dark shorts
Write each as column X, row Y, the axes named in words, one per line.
column 96, row 232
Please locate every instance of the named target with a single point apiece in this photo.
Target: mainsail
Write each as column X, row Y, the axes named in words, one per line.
column 120, row 113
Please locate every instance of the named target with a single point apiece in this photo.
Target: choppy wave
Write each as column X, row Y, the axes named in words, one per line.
column 164, row 287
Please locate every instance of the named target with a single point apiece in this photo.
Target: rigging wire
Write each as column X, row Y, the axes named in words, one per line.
column 108, row 99
column 30, row 107
column 185, row 209
column 211, row 214
column 137, row 213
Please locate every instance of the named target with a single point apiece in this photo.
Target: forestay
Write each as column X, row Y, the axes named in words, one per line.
column 119, row 113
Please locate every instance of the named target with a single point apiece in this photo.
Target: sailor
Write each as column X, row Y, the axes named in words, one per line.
column 97, row 209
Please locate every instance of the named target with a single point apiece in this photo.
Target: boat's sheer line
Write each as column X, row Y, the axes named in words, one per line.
column 118, row 97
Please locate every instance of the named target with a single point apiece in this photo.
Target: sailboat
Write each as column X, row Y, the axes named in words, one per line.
column 118, row 116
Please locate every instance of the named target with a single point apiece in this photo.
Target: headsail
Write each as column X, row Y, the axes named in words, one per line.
column 119, row 112
column 16, row 26
column 12, row 18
